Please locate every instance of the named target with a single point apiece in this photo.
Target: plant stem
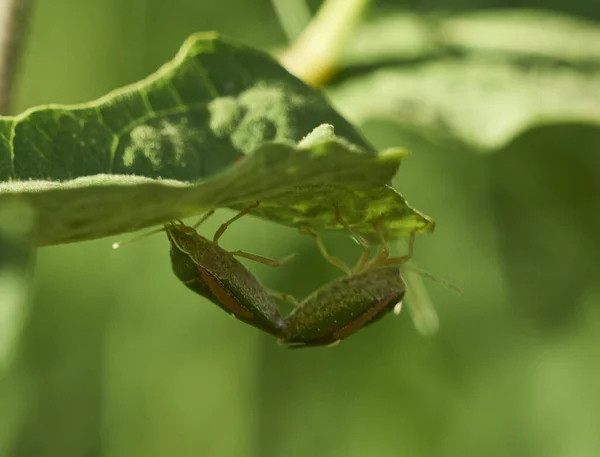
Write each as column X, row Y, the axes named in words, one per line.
column 293, row 16
column 314, row 56
column 14, row 18
column 17, row 257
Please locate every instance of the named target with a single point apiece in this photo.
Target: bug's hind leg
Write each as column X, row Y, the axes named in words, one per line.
column 331, row 259
column 362, row 261
column 399, row 260
column 383, row 255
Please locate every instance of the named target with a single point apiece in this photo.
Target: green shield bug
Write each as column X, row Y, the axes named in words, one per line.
column 211, row 271
column 214, row 273
column 344, row 306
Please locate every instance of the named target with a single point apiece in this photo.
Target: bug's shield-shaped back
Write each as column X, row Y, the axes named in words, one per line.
column 342, row 307
column 215, row 274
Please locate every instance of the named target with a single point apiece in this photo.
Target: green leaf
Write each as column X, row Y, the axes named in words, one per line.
column 392, row 37
column 478, row 79
column 102, row 205
column 399, row 36
column 524, row 33
column 215, row 102
column 221, row 125
column 482, row 104
column 311, row 206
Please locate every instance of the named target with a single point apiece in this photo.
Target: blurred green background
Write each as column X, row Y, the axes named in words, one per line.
column 119, row 359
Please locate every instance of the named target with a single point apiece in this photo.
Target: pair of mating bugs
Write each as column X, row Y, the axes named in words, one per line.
column 335, row 311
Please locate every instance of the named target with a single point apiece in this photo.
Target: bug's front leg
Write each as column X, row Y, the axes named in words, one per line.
column 225, row 225
column 202, row 219
column 247, row 255
column 264, row 260
column 331, row 259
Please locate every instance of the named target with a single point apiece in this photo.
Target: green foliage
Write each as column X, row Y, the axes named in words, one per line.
column 118, row 358
column 479, row 79
column 502, row 101
column 221, row 125
column 214, row 103
column 507, row 33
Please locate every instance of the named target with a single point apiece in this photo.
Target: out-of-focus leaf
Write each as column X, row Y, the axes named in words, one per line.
column 483, row 104
column 391, row 37
column 481, row 78
column 217, row 126
column 524, row 33
column 405, row 36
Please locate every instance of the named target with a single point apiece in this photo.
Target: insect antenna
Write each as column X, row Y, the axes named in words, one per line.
column 141, row 236
column 447, row 284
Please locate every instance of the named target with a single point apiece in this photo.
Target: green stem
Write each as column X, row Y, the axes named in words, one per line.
column 293, row 15
column 16, row 254
column 16, row 268
column 17, row 257
column 315, row 55
column 14, row 18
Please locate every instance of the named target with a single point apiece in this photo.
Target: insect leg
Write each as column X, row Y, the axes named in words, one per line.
column 383, row 255
column 287, row 297
column 331, row 259
column 203, row 218
column 384, row 249
column 359, row 239
column 226, row 224
column 265, row 260
column 309, row 344
column 403, row 258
